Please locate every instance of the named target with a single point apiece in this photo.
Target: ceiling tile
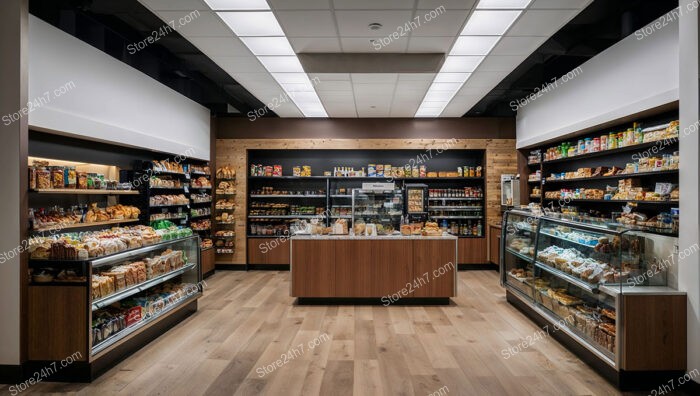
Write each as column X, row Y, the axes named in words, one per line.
column 330, row 76
column 362, row 44
column 541, row 22
column 315, row 44
column 373, row 89
column 206, row 24
column 448, row 4
column 336, row 96
column 370, row 78
column 430, row 44
column 354, row 23
column 560, row 4
column 307, row 23
column 239, row 64
column 171, row 5
column 518, row 45
column 373, row 4
column 501, row 62
column 460, row 105
column 331, row 85
column 299, row 4
column 413, row 85
column 410, row 92
column 447, row 24
column 220, row 46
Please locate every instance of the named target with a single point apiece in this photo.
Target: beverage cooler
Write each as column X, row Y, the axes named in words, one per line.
column 416, row 202
column 510, row 191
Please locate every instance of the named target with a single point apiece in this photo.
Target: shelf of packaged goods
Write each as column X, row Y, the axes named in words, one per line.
column 200, row 216
column 429, row 179
column 341, row 196
column 127, row 332
column 83, row 225
column 224, row 236
column 563, row 238
column 378, row 214
column 538, row 181
column 286, row 177
column 225, row 251
column 554, row 319
column 458, row 217
column 83, row 192
column 341, row 217
column 200, row 174
column 285, row 216
column 287, row 196
column 200, row 188
column 456, row 199
column 200, row 203
column 518, row 254
column 633, row 147
column 617, row 201
column 571, row 279
column 456, row 208
column 618, row 176
column 233, row 208
column 130, row 291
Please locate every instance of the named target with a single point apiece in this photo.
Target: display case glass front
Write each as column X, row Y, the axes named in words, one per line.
column 519, row 234
column 379, row 210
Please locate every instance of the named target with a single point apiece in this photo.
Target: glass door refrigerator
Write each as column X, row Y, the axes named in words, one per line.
column 416, row 202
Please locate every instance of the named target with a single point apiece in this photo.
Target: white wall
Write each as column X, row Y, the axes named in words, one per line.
column 110, row 101
column 689, row 268
column 631, row 76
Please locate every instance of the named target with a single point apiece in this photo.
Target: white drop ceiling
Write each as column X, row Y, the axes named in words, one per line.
column 341, row 26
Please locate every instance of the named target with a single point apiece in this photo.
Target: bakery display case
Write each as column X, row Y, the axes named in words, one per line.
column 380, row 211
column 591, row 281
column 110, row 304
column 520, row 228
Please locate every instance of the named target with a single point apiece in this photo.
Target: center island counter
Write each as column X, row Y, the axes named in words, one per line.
column 385, row 269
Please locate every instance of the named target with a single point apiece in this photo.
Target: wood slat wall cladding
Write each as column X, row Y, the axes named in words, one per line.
column 500, row 158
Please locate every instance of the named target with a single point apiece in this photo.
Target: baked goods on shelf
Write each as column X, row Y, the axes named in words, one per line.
column 206, row 243
column 200, row 182
column 431, row 229
column 168, row 166
column 199, row 169
column 225, row 233
column 168, row 200
column 226, row 187
column 165, row 182
column 200, row 198
column 225, row 204
column 201, row 225
column 225, row 218
column 92, row 244
column 226, row 172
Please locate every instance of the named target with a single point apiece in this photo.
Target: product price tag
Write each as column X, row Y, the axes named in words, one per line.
column 187, row 176
column 187, row 190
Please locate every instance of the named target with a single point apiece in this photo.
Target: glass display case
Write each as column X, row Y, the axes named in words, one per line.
column 125, row 291
column 519, row 232
column 379, row 210
column 417, row 202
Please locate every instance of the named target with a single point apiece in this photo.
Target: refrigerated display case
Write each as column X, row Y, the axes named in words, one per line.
column 377, row 209
column 111, row 304
column 591, row 281
column 510, row 191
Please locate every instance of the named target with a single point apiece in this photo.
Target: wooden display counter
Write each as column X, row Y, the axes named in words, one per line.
column 349, row 267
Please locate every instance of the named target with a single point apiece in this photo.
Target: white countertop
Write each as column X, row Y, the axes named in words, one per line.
column 378, row 237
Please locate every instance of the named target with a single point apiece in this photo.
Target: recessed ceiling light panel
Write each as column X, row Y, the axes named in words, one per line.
column 474, row 45
column 281, row 64
column 489, row 22
column 268, row 45
column 237, row 5
column 461, row 64
column 255, row 23
column 502, row 4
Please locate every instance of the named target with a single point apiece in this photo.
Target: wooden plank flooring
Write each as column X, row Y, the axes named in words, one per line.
column 247, row 321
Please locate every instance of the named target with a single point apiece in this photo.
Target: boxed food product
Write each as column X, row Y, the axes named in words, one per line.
column 380, row 170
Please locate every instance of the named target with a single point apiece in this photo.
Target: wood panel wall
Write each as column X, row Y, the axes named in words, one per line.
column 500, row 158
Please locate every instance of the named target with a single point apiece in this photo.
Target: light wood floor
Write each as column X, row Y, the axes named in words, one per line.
column 247, row 321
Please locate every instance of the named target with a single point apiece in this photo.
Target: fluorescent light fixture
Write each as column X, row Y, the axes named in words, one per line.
column 268, row 45
column 255, row 23
column 428, row 112
column 281, row 64
column 313, row 110
column 489, row 22
column 445, row 86
column 307, row 87
column 237, row 5
column 434, row 105
column 451, row 77
column 291, row 78
column 439, row 96
column 461, row 64
column 502, row 4
column 474, row 45
column 304, row 98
